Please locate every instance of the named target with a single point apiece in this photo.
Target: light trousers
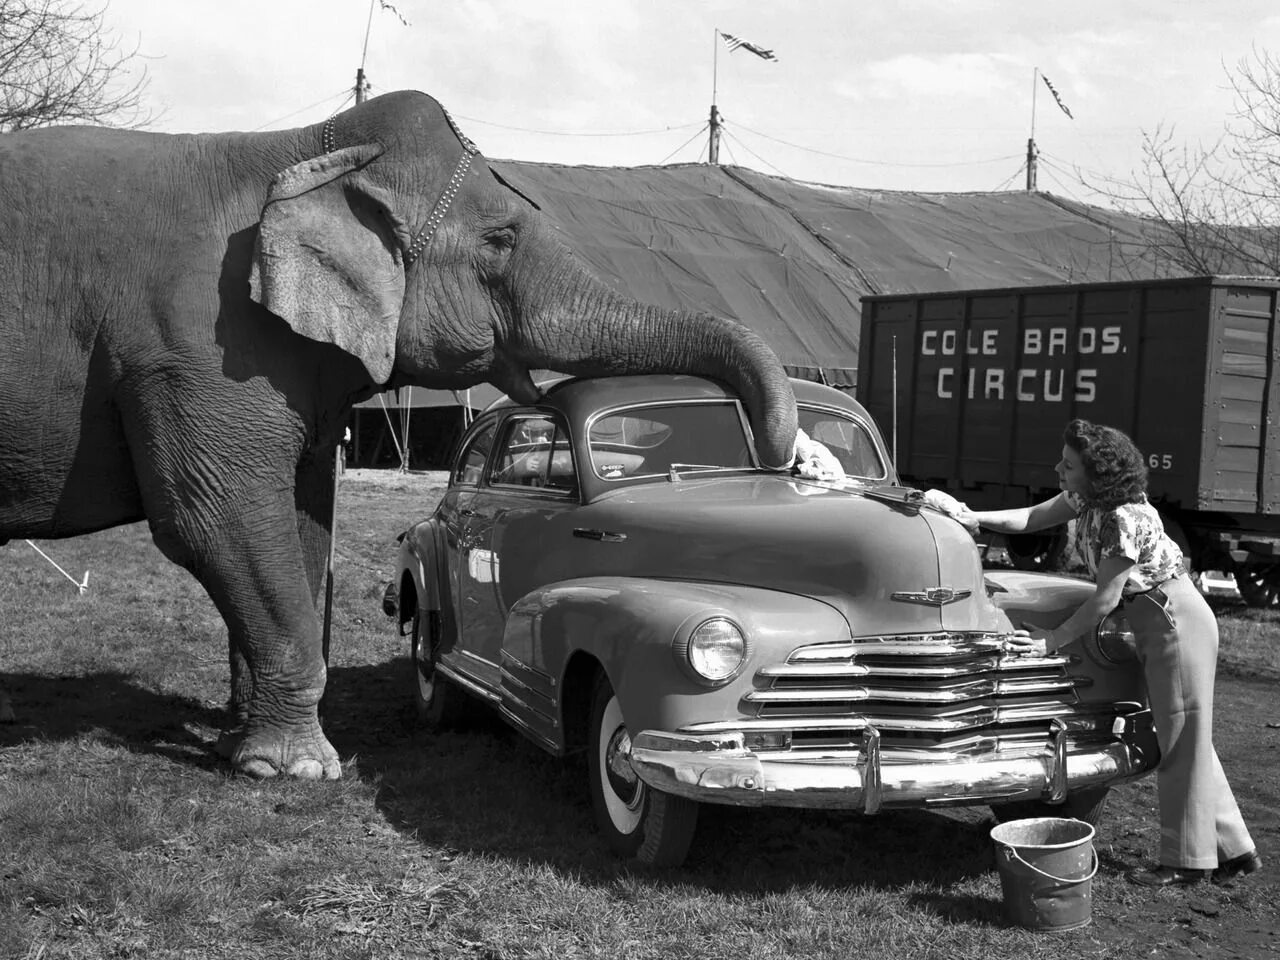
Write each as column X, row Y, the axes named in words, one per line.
column 1177, row 643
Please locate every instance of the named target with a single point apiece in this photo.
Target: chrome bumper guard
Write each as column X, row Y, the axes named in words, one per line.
column 718, row 768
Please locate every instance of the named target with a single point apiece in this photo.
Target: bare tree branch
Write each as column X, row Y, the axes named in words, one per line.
column 59, row 65
column 1215, row 209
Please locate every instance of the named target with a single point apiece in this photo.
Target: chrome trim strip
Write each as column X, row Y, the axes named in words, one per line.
column 467, row 654
column 1099, row 721
column 762, row 725
column 467, row 683
column 955, row 693
column 506, row 658
column 810, row 671
column 509, row 678
column 903, row 645
column 537, row 737
column 978, row 665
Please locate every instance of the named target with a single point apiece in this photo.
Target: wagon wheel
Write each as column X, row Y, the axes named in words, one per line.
column 1087, row 805
column 637, row 821
column 1036, row 551
column 1259, row 584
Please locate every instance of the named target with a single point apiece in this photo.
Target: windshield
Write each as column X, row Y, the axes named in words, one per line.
column 845, row 438
column 652, row 439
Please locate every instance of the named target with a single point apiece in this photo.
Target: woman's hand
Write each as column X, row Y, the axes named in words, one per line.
column 1030, row 642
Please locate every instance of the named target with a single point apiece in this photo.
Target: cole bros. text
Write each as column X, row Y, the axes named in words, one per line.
column 1043, row 374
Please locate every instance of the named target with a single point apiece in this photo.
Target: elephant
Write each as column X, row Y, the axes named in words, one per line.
column 186, row 321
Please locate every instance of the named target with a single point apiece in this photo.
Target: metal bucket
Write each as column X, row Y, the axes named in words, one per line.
column 1046, row 869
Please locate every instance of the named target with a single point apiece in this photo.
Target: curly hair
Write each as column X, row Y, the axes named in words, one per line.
column 1112, row 463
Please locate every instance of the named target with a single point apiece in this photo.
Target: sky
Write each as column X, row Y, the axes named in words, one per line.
column 925, row 95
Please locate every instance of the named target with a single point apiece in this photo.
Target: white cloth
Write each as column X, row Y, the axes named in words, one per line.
column 946, row 504
column 814, row 461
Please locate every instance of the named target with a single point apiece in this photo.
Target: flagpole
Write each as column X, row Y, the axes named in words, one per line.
column 713, row 140
column 1035, row 85
column 1031, row 141
column 715, row 61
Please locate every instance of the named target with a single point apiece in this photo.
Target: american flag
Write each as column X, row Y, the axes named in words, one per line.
column 1055, row 95
column 737, row 42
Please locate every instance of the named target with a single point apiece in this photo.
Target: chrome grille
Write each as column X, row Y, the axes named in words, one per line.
column 936, row 694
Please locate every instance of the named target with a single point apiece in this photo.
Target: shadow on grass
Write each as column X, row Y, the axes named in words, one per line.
column 144, row 721
column 485, row 789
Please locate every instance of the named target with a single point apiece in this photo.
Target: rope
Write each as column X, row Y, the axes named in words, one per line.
column 81, row 585
column 391, row 427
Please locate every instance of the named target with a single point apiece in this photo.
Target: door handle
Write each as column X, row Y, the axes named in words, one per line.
column 605, row 536
column 466, row 513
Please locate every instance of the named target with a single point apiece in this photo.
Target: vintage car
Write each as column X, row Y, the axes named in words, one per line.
column 613, row 571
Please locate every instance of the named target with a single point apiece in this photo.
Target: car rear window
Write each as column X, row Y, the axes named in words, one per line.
column 649, row 440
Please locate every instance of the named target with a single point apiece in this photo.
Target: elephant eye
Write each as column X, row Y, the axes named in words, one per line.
column 500, row 240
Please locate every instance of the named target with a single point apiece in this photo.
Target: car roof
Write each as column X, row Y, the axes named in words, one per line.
column 585, row 394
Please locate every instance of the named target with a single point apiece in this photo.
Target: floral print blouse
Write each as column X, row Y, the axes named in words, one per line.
column 1132, row 530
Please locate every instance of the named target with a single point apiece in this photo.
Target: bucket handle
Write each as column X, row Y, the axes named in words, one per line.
column 1013, row 854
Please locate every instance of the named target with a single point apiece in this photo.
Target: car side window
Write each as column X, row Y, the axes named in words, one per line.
column 535, row 452
column 847, row 440
column 470, row 465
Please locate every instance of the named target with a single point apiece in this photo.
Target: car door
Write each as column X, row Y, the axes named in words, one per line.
column 531, row 475
column 467, row 565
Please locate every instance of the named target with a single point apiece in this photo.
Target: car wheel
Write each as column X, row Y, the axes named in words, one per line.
column 1087, row 805
column 437, row 702
column 637, row 821
column 1036, row 551
column 1259, row 584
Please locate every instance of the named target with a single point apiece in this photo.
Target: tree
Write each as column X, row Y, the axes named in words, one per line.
column 1215, row 209
column 58, row 64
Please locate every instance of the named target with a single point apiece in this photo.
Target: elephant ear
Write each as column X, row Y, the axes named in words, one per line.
column 327, row 260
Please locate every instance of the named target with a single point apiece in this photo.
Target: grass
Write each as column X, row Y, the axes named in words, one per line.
column 123, row 835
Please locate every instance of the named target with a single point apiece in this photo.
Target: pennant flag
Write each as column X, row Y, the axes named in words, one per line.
column 387, row 6
column 737, row 42
column 1055, row 96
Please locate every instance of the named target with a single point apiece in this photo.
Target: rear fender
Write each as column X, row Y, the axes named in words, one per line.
column 632, row 626
column 419, row 572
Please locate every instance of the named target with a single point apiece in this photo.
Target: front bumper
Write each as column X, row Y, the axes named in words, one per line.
column 718, row 768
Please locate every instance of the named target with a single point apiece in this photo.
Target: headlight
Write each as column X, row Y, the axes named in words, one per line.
column 1115, row 639
column 716, row 649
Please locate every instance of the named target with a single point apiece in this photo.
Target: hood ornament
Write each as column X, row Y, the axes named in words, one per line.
column 936, row 596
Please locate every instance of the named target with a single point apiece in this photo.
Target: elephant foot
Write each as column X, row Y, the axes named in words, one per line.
column 304, row 754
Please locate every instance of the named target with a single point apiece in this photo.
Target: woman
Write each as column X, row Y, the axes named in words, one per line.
column 1121, row 540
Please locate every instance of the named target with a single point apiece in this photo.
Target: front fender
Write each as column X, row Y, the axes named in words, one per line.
column 1041, row 599
column 631, row 626
column 1046, row 600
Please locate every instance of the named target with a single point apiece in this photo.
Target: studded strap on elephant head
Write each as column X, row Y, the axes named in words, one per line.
column 443, row 202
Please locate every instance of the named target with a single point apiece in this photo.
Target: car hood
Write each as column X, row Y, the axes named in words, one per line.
column 879, row 559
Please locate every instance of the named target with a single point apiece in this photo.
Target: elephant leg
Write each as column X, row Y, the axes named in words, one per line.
column 313, row 500
column 6, row 708
column 267, row 603
column 313, row 497
column 251, row 564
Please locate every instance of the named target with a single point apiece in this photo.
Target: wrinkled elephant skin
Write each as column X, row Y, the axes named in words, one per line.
column 186, row 321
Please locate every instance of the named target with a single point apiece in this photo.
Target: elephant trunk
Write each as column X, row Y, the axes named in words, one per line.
column 604, row 334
